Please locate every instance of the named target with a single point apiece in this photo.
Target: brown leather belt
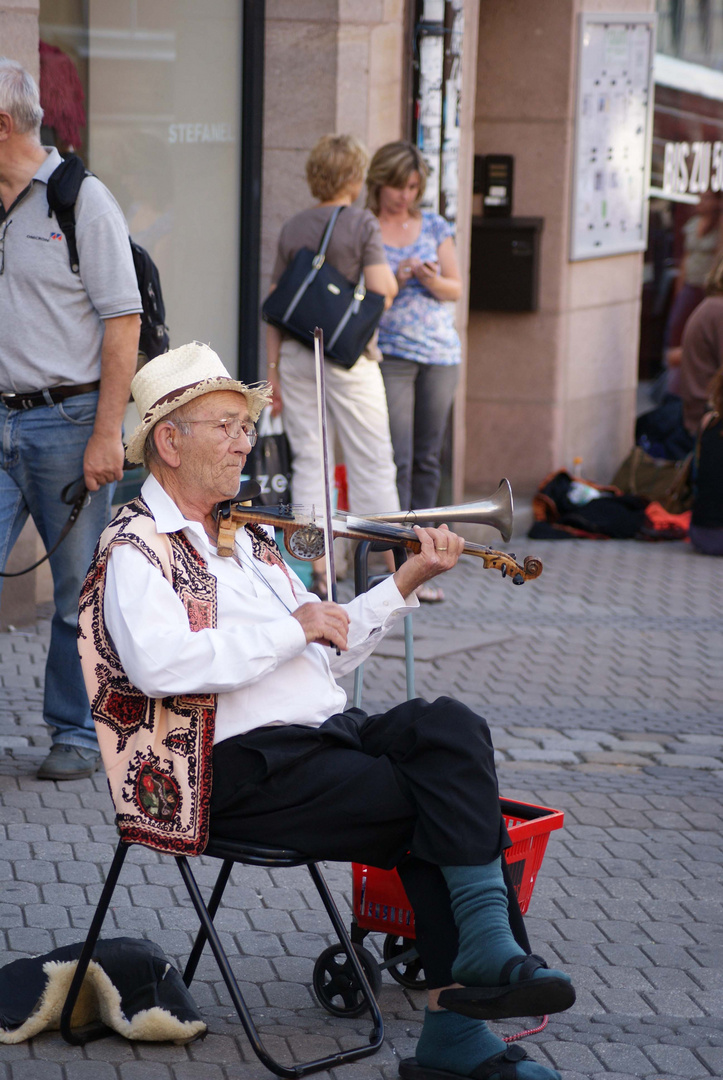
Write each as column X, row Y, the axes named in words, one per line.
column 52, row 396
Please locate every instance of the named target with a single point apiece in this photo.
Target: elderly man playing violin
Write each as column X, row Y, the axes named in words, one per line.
column 213, row 689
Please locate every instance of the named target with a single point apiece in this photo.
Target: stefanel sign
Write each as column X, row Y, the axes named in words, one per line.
column 691, row 168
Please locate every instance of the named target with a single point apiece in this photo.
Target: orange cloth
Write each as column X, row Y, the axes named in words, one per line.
column 661, row 520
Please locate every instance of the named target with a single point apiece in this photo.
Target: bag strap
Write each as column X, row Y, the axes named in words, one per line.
column 62, row 191
column 316, row 264
column 321, row 253
column 76, row 505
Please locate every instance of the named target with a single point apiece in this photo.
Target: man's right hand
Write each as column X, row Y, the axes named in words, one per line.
column 325, row 623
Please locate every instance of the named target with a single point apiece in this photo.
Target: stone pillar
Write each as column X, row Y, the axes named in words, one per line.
column 545, row 387
column 332, row 66
column 19, row 33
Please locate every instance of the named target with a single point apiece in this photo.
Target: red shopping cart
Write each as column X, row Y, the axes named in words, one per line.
column 380, row 904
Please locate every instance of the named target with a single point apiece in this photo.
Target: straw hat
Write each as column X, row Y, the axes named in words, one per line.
column 178, row 376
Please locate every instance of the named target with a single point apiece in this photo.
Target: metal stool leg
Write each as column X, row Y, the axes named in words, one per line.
column 101, row 1031
column 290, row 1071
column 212, row 907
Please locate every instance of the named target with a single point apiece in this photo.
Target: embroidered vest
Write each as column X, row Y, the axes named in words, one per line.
column 156, row 752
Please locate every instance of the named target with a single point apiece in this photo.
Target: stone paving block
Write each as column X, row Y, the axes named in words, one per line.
column 630, row 1002
column 84, row 816
column 674, row 1003
column 571, row 1056
column 710, row 1001
column 90, row 1070
column 80, row 873
column 674, row 1059
column 144, row 1070
column 48, row 916
column 556, row 757
column 222, row 1049
column 35, row 1070
column 271, row 921
column 141, row 920
column 197, row 1070
column 57, row 892
column 713, row 1058
column 29, row 940
column 622, row 1059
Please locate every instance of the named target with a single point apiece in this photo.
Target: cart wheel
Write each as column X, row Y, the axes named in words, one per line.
column 335, row 984
column 409, row 973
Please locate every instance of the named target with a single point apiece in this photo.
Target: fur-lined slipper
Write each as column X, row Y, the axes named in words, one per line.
column 501, row 1066
column 526, row 997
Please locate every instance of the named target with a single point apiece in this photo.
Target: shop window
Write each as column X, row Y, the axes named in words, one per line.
column 691, row 30
column 148, row 93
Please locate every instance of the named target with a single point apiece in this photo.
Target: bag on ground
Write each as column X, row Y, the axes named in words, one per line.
column 269, row 463
column 657, row 479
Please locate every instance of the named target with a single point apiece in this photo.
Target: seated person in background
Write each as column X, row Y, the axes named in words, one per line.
column 212, row 683
column 702, row 351
column 706, row 524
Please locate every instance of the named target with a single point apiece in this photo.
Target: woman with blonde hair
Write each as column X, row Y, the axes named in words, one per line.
column 417, row 335
column 356, row 401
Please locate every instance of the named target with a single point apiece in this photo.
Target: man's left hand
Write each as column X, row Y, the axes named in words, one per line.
column 440, row 549
column 102, row 461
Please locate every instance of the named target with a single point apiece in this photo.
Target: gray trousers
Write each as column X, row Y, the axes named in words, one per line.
column 420, row 399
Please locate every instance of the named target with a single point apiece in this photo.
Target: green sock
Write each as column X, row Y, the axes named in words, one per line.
column 458, row 1044
column 486, row 943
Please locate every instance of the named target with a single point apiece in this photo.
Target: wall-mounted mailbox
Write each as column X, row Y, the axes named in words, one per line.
column 504, row 264
column 493, row 180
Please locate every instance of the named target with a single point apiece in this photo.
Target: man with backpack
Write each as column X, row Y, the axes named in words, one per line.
column 68, row 351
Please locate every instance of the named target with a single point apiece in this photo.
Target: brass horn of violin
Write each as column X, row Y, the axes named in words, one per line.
column 496, row 510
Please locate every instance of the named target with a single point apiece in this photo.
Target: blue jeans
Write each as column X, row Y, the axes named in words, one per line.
column 420, row 398
column 40, row 452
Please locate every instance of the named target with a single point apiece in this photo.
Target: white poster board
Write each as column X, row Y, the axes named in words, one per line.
column 613, row 135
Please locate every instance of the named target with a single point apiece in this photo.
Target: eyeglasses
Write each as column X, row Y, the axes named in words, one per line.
column 233, row 427
column 8, row 223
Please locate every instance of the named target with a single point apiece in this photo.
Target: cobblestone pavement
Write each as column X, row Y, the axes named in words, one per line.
column 602, row 682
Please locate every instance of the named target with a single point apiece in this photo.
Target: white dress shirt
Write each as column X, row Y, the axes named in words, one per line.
column 256, row 659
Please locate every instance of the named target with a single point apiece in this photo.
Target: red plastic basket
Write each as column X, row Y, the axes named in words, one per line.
column 378, row 896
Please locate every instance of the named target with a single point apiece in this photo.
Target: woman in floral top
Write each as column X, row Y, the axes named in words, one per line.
column 417, row 335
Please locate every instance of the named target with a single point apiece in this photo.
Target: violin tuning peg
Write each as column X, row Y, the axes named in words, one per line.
column 504, row 570
column 518, row 580
column 512, row 554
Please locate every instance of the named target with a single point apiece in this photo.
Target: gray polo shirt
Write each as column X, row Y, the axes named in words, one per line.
column 51, row 320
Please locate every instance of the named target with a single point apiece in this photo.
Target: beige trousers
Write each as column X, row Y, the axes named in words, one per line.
column 357, row 411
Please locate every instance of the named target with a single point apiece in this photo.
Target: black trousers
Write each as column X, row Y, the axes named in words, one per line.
column 414, row 788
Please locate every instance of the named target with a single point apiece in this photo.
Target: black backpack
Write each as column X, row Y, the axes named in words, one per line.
column 63, row 187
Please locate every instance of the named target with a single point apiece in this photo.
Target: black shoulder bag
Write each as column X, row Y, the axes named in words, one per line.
column 313, row 293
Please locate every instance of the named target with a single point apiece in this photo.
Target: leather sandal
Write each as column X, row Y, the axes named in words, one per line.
column 526, row 997
column 498, row 1067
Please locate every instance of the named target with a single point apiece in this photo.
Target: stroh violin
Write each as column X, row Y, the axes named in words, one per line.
column 304, row 534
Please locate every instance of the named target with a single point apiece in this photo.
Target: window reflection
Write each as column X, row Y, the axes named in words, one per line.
column 151, row 93
column 691, row 30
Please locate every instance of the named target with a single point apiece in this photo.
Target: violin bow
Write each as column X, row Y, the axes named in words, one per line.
column 328, row 528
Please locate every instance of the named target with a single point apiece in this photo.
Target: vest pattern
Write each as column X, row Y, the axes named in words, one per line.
column 157, row 753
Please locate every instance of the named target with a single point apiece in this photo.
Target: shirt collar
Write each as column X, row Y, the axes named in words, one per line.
column 166, row 514
column 50, row 164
